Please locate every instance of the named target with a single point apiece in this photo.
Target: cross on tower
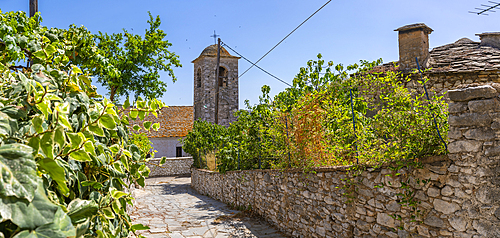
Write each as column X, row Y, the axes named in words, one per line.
column 215, row 37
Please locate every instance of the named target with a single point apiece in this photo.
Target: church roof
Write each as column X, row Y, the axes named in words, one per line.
column 211, row 51
column 175, row 121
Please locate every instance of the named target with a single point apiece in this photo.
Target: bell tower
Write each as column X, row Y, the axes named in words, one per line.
column 205, row 85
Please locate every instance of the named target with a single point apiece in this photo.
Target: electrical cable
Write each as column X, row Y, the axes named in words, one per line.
column 285, row 38
column 255, row 64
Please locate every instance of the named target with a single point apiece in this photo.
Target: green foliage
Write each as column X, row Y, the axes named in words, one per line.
column 311, row 123
column 66, row 160
column 143, row 142
column 124, row 63
column 138, row 60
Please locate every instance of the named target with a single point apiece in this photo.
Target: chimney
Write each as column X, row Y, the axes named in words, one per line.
column 490, row 39
column 413, row 42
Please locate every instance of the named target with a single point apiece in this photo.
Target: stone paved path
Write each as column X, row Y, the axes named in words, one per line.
column 171, row 208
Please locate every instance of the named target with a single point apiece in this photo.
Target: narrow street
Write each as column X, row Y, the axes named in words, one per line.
column 171, row 208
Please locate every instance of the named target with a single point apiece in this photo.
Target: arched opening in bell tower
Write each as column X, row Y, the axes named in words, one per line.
column 222, row 76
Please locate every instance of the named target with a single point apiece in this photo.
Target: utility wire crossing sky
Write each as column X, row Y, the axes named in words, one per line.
column 342, row 31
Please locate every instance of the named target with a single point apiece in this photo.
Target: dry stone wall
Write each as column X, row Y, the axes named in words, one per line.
column 441, row 82
column 172, row 166
column 460, row 198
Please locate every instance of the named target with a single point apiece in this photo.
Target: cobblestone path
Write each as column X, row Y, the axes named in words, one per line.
column 171, row 208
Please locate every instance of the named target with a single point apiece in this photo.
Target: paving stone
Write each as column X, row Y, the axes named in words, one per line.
column 169, row 204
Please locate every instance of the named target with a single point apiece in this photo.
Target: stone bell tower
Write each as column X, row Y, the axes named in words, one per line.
column 205, row 85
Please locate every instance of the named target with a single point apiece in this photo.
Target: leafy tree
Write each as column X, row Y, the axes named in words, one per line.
column 138, row 61
column 124, row 63
column 66, row 161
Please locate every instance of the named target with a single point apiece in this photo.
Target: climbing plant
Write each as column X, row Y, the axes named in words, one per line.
column 66, row 161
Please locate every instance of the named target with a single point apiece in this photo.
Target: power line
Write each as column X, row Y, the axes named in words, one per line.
column 285, row 37
column 254, row 64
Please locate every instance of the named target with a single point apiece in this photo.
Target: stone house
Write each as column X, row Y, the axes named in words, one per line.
column 175, row 123
column 463, row 62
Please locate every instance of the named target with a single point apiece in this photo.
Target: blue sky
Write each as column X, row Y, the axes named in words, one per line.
column 344, row 31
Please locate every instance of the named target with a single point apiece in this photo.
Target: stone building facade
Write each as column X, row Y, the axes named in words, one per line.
column 205, row 86
column 455, row 65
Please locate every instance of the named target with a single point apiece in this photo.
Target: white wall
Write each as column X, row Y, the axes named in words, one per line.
column 166, row 146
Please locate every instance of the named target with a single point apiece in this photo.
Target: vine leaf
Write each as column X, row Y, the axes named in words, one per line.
column 17, row 172
column 80, row 155
column 40, row 215
column 60, row 227
column 94, row 128
column 56, row 172
column 79, row 210
column 108, row 122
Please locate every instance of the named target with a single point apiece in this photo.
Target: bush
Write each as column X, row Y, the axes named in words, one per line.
column 66, row 161
column 312, row 123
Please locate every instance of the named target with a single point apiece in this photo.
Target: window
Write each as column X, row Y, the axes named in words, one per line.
column 222, row 77
column 198, row 78
column 178, row 151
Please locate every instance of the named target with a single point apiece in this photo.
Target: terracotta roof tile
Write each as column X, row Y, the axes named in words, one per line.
column 175, row 121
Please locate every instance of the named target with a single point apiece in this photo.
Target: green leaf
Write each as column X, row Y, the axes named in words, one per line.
column 108, row 122
column 147, row 125
column 59, row 137
column 117, row 194
column 114, row 148
column 94, row 184
column 63, row 118
column 35, row 214
column 89, row 148
column 156, row 126
column 136, row 127
column 142, row 114
column 47, row 144
column 76, row 69
column 56, row 172
column 44, row 107
column 37, row 123
column 40, row 54
column 5, row 126
column 95, row 129
column 137, row 227
column 60, row 227
column 162, row 161
column 17, row 172
column 50, row 49
column 140, row 181
column 126, row 104
column 133, row 114
column 79, row 210
column 34, row 142
column 107, row 212
column 80, row 155
column 75, row 139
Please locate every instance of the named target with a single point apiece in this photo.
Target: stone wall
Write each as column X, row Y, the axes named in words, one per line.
column 460, row 199
column 475, row 151
column 441, row 82
column 172, row 166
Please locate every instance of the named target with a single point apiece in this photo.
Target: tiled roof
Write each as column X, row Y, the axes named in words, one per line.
column 175, row 121
column 464, row 55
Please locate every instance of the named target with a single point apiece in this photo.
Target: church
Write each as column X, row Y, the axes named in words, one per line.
column 177, row 121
